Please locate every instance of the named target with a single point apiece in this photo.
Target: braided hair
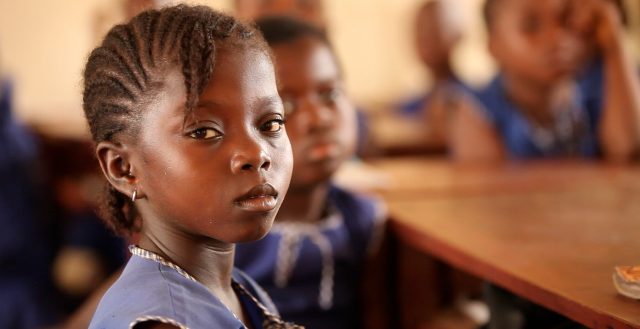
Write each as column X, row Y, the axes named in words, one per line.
column 127, row 70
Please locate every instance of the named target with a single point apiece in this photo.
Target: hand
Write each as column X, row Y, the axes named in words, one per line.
column 599, row 21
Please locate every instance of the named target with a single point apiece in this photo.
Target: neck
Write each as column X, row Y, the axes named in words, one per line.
column 210, row 263
column 304, row 204
column 532, row 98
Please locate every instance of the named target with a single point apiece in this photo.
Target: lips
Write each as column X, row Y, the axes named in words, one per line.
column 260, row 198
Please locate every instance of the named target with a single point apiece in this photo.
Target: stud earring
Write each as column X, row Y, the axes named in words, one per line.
column 133, row 195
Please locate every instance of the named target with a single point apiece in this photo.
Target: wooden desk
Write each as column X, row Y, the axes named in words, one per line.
column 549, row 232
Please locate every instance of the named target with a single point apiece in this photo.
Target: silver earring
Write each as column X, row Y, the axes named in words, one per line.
column 133, row 196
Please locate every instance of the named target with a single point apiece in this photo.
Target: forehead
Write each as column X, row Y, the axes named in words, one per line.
column 239, row 76
column 304, row 60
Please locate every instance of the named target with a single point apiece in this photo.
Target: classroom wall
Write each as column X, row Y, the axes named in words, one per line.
column 44, row 44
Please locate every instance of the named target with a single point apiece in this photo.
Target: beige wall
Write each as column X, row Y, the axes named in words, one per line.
column 44, row 44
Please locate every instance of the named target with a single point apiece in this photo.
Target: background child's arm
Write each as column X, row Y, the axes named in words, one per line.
column 472, row 137
column 619, row 126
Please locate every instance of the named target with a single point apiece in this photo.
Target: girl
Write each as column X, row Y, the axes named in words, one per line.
column 313, row 262
column 183, row 107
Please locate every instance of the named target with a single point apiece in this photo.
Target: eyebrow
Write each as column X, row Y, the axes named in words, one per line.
column 258, row 103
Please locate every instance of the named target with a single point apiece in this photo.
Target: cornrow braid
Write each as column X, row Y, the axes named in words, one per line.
column 127, row 70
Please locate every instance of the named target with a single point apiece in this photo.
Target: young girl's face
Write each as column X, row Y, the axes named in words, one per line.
column 320, row 118
column 222, row 172
column 534, row 40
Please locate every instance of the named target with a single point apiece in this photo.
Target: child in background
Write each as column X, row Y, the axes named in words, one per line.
column 183, row 106
column 310, row 11
column 538, row 106
column 541, row 105
column 26, row 253
column 437, row 32
column 313, row 261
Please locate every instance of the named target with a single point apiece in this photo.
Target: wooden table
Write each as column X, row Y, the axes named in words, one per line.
column 550, row 232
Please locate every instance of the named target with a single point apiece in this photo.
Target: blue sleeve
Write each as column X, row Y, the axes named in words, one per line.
column 362, row 216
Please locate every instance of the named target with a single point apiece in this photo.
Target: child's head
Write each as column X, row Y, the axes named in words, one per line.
column 533, row 40
column 437, row 31
column 183, row 106
column 320, row 118
column 311, row 11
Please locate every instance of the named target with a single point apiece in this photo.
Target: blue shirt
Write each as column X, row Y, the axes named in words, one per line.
column 25, row 247
column 415, row 106
column 574, row 133
column 151, row 289
column 312, row 271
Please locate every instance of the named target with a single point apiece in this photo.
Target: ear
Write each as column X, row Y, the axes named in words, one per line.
column 115, row 161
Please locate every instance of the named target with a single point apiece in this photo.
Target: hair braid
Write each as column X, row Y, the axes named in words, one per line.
column 127, row 70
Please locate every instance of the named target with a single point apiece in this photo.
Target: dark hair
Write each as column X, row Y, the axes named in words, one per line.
column 284, row 29
column 278, row 30
column 127, row 70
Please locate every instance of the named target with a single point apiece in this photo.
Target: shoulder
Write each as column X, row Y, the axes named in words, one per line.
column 255, row 289
column 143, row 293
column 365, row 207
column 413, row 106
column 364, row 215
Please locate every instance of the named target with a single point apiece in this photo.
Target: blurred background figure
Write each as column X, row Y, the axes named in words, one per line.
column 311, row 11
column 438, row 29
column 539, row 105
column 26, row 288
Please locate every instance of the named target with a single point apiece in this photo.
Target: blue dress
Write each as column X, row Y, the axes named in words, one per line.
column 26, row 288
column 312, row 271
column 574, row 133
column 414, row 107
column 152, row 289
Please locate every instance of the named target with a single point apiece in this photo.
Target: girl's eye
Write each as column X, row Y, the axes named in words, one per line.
column 204, row 133
column 273, row 126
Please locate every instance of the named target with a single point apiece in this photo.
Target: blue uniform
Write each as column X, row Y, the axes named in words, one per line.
column 414, row 107
column 312, row 271
column 575, row 130
column 152, row 289
column 25, row 250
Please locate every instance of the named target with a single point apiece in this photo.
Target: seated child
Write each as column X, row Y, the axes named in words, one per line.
column 183, row 107
column 26, row 288
column 539, row 106
column 312, row 262
column 437, row 32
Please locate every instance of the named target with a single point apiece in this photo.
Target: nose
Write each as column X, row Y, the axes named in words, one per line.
column 249, row 156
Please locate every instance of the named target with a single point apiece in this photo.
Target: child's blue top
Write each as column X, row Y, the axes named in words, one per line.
column 312, row 271
column 152, row 289
column 25, row 248
column 414, row 107
column 575, row 132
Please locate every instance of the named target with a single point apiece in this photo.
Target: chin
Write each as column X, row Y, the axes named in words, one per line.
column 256, row 233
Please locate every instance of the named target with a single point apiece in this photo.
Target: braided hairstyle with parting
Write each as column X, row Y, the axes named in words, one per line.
column 126, row 71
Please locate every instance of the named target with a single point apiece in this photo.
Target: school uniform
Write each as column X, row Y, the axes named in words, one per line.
column 26, row 255
column 312, row 271
column 153, row 289
column 575, row 128
column 415, row 107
